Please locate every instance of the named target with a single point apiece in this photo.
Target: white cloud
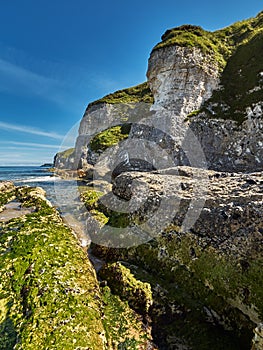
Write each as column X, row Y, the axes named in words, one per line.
column 30, row 130
column 23, row 157
column 30, row 144
column 14, row 77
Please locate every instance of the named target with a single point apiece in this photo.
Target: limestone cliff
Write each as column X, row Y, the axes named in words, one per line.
column 192, row 219
column 210, row 82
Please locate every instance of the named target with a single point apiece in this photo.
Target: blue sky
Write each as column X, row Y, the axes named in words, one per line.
column 56, row 56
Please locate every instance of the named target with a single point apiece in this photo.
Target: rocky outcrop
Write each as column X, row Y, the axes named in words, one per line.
column 123, row 283
column 7, row 190
column 195, row 235
column 214, row 237
column 48, row 286
column 230, row 146
column 64, row 159
column 191, row 70
column 50, row 297
column 103, row 116
column 181, row 78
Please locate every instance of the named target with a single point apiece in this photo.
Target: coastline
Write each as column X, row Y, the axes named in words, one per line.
column 121, row 274
column 49, row 285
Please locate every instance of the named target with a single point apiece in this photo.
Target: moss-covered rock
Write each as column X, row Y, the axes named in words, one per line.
column 219, row 44
column 124, row 284
column 49, row 294
column 138, row 93
column 124, row 327
column 210, row 276
column 7, row 193
column 109, row 137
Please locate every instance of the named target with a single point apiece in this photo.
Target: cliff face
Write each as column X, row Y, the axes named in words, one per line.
column 212, row 79
column 201, row 107
column 181, row 78
column 100, row 117
column 230, row 146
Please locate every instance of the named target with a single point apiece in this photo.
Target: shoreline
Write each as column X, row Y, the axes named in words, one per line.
column 115, row 276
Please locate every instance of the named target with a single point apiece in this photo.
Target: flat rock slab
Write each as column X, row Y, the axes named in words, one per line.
column 14, row 210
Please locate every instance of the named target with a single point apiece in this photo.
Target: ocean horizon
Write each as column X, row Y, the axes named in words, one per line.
column 34, row 176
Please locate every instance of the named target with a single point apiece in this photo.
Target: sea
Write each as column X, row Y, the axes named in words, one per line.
column 35, row 176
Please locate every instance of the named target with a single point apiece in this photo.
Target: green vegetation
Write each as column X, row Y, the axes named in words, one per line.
column 220, row 44
column 180, row 298
column 90, row 198
column 241, row 82
column 6, row 197
column 122, row 325
column 124, row 284
column 181, row 291
column 211, row 280
column 102, row 214
column 135, row 94
column 65, row 154
column 238, row 51
column 48, row 294
column 110, row 137
column 192, row 114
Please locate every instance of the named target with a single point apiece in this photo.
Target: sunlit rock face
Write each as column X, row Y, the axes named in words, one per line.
column 101, row 117
column 203, row 109
column 181, row 78
column 188, row 90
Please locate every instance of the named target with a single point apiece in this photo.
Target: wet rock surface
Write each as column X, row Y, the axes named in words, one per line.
column 13, row 210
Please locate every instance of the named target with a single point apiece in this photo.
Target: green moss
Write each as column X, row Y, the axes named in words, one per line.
column 90, row 198
column 100, row 217
column 135, row 94
column 183, row 286
column 192, row 114
column 124, row 328
column 195, row 277
column 65, row 154
column 48, row 287
column 118, row 219
column 100, row 212
column 219, row 44
column 124, row 284
column 238, row 82
column 109, row 137
column 6, row 197
column 179, row 299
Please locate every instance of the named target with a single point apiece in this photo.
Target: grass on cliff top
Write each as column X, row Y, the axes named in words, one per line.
column 109, row 137
column 220, row 44
column 135, row 94
column 65, row 154
column 241, row 82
